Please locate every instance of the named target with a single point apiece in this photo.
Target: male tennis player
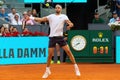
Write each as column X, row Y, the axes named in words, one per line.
column 56, row 23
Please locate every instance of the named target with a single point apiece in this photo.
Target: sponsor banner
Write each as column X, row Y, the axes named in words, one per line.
column 91, row 44
column 118, row 49
column 23, row 50
column 101, row 43
column 55, row 1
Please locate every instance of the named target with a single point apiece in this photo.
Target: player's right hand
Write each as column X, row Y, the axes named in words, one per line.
column 31, row 18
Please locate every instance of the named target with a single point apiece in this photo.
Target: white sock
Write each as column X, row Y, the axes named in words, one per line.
column 48, row 70
column 75, row 65
column 47, row 67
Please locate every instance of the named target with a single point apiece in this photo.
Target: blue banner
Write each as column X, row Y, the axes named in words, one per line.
column 118, row 49
column 34, row 1
column 23, row 50
column 56, row 1
column 69, row 1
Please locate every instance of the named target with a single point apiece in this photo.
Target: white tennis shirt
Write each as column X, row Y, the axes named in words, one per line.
column 56, row 23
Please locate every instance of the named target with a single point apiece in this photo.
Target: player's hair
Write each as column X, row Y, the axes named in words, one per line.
column 58, row 5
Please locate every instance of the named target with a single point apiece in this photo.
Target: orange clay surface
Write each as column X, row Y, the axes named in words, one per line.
column 63, row 71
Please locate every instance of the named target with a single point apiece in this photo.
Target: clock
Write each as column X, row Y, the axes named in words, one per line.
column 78, row 42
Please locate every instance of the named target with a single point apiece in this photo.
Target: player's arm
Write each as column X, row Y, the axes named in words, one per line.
column 69, row 24
column 43, row 19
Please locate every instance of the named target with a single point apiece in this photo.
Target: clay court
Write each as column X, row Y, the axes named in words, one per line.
column 64, row 71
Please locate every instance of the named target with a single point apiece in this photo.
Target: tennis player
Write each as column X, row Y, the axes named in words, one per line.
column 56, row 23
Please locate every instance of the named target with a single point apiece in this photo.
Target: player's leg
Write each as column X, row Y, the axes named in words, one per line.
column 50, row 53
column 48, row 72
column 69, row 53
column 64, row 53
column 57, row 47
column 58, row 53
column 52, row 60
